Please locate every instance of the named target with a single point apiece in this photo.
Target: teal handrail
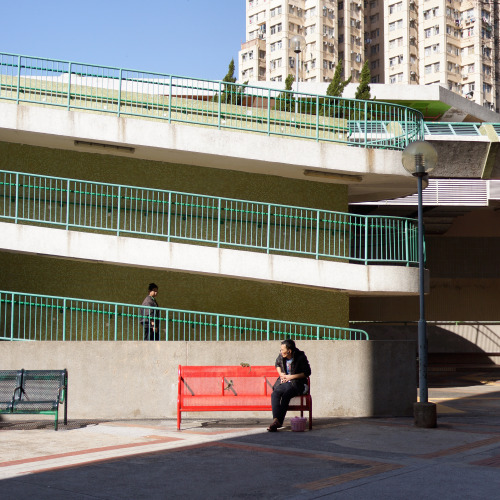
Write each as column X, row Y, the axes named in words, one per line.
column 213, row 103
column 34, row 317
column 210, row 220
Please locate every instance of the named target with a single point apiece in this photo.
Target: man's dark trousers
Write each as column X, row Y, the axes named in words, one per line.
column 280, row 399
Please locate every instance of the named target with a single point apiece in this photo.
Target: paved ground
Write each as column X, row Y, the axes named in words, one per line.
column 375, row 458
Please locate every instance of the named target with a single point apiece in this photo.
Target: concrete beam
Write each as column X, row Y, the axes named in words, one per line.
column 356, row 279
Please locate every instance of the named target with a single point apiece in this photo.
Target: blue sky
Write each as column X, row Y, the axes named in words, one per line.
column 193, row 38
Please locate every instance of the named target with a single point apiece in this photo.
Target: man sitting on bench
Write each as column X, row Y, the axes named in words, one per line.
column 293, row 369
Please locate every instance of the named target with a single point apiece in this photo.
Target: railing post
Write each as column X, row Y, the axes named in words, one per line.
column 269, row 112
column 366, row 122
column 118, row 209
column 12, row 300
column 18, row 77
column 317, row 234
column 69, row 86
column 267, row 328
column 170, row 101
column 169, row 224
column 367, row 219
column 219, row 106
column 218, row 223
column 317, row 332
column 120, row 91
column 64, row 320
column 166, row 325
column 217, row 318
column 268, row 228
column 406, row 126
column 407, row 242
column 116, row 322
column 317, row 118
column 16, row 209
column 67, row 204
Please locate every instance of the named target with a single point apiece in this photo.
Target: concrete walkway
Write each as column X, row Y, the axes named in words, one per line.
column 383, row 458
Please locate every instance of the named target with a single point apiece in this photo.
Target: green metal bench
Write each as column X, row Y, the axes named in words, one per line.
column 34, row 392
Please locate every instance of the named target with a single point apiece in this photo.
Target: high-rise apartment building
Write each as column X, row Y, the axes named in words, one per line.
column 454, row 43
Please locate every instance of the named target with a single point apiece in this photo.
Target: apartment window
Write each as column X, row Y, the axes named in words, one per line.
column 341, row 39
column 291, row 8
column 374, row 18
column 325, row 64
column 250, row 55
column 262, row 54
column 375, row 33
column 311, row 12
column 243, row 57
column 276, row 46
column 375, row 79
column 467, row 32
column 375, row 64
column 276, row 63
column 392, row 79
column 437, row 67
column 291, row 62
column 291, row 27
column 395, row 7
column 309, row 30
column 374, row 49
column 428, row 69
column 486, row 88
column 341, row 6
column 276, row 11
column 486, row 70
column 470, row 68
column 427, row 32
column 275, row 29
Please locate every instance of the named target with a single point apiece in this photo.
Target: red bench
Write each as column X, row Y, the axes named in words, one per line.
column 231, row 388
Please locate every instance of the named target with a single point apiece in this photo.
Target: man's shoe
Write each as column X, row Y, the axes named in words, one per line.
column 274, row 426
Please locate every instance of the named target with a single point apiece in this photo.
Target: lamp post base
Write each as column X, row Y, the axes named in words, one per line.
column 425, row 415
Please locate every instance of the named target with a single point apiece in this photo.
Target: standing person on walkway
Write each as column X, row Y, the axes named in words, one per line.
column 293, row 369
column 150, row 314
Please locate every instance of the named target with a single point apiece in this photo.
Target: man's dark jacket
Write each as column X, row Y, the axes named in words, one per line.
column 300, row 364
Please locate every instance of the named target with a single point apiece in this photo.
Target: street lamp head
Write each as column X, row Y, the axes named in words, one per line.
column 298, row 43
column 419, row 158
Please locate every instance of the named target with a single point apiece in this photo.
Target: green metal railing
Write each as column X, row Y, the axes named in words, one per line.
column 209, row 220
column 29, row 317
column 218, row 104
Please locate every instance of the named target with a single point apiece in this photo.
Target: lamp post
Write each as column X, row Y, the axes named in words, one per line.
column 298, row 43
column 419, row 158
